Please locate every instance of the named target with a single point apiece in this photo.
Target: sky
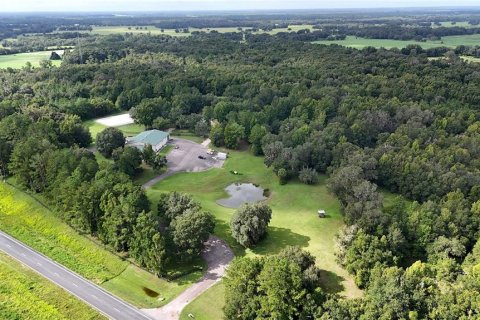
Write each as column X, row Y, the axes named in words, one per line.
column 201, row 5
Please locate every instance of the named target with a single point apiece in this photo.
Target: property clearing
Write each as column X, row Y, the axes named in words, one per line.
column 294, row 221
column 116, row 121
column 19, row 60
column 449, row 41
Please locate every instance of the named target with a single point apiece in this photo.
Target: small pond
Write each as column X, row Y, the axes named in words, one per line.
column 241, row 193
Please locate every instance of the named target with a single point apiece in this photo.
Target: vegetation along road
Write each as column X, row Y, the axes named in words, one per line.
column 83, row 289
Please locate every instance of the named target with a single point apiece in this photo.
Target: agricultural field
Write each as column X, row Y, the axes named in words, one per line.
column 107, row 30
column 26, row 295
column 28, row 220
column 359, row 43
column 294, row 220
column 449, row 24
column 17, row 61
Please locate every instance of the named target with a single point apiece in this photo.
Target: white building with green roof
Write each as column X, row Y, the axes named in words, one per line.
column 156, row 138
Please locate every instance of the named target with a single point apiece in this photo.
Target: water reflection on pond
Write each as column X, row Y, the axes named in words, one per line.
column 241, row 193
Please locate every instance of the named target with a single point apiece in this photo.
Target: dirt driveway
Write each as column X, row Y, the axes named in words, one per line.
column 218, row 255
column 185, row 159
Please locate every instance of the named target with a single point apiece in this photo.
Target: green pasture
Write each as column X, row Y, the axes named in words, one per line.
column 294, row 221
column 26, row 218
column 108, row 30
column 450, row 41
column 17, row 61
column 449, row 24
column 26, row 295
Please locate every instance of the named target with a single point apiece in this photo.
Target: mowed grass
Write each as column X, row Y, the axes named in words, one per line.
column 294, row 221
column 26, row 295
column 147, row 290
column 450, row 41
column 28, row 220
column 202, row 307
column 17, row 61
column 187, row 135
column 128, row 129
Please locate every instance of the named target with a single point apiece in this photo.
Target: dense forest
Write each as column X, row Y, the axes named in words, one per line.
column 373, row 120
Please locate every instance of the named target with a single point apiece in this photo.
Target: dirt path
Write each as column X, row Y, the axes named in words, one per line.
column 218, row 255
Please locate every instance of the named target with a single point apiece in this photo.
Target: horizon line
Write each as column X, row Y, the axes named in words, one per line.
column 150, row 12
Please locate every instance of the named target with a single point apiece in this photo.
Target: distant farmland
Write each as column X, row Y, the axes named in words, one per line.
column 450, row 41
column 17, row 61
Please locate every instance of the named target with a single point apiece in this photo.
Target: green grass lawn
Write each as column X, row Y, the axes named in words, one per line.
column 128, row 129
column 202, row 308
column 17, row 61
column 185, row 134
column 26, row 295
column 26, row 219
column 450, row 41
column 294, row 220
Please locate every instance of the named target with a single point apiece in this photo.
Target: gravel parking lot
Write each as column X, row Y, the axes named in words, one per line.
column 185, row 159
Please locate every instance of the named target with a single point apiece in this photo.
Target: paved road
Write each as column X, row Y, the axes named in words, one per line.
column 95, row 296
column 218, row 255
column 185, row 159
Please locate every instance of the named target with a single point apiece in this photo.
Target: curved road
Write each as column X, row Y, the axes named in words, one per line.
column 218, row 255
column 83, row 289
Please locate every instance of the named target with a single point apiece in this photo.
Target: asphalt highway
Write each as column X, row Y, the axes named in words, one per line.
column 81, row 288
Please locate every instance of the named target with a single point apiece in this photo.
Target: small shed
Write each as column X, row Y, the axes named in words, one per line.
column 321, row 213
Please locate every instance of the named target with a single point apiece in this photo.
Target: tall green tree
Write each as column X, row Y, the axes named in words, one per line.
column 249, row 223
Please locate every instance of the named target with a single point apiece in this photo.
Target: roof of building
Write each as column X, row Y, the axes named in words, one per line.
column 152, row 137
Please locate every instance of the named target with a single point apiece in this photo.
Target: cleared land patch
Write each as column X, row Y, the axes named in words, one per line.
column 26, row 295
column 449, row 41
column 294, row 221
column 116, row 121
column 19, row 60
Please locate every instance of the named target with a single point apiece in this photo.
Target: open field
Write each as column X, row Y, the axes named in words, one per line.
column 449, row 24
column 26, row 295
column 107, row 30
column 128, row 129
column 17, row 61
column 294, row 221
column 28, row 220
column 450, row 41
column 185, row 134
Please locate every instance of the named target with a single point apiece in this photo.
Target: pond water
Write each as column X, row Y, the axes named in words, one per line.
column 241, row 193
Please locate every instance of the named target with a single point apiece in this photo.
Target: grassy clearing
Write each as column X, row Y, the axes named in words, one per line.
column 26, row 295
column 471, row 59
column 450, row 41
column 108, row 30
column 17, row 61
column 450, row 24
column 294, row 220
column 202, row 307
column 185, row 134
column 148, row 291
column 128, row 129
column 29, row 221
